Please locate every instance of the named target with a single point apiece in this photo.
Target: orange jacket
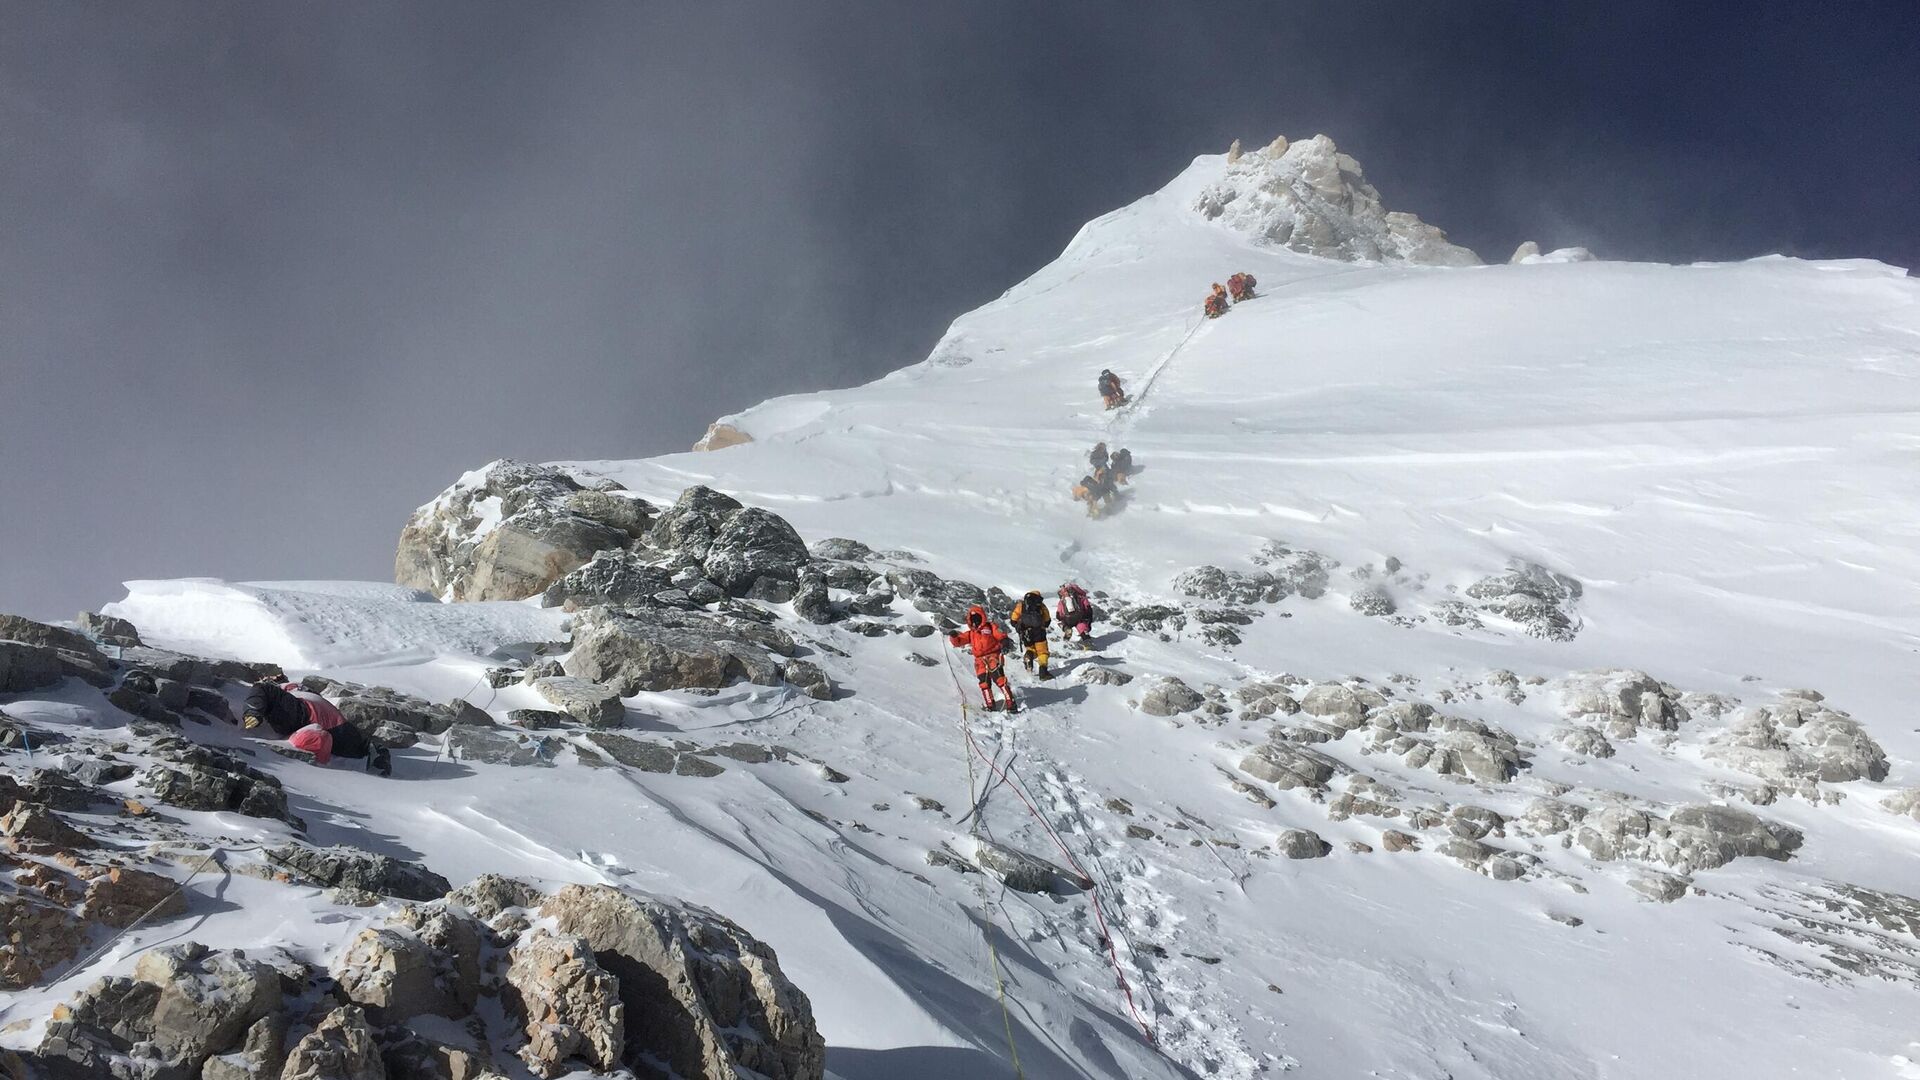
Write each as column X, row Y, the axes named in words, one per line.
column 983, row 636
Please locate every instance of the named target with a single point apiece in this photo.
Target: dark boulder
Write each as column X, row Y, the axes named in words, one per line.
column 351, row 868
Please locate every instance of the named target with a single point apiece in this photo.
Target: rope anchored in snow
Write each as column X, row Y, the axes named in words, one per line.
column 977, row 799
column 1086, row 880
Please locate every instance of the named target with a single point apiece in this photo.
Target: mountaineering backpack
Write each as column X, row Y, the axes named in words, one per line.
column 1029, row 614
column 1079, row 608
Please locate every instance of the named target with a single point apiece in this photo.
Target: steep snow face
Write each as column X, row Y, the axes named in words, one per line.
column 1311, row 198
column 1507, row 582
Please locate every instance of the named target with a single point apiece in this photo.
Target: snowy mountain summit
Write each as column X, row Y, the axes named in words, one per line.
column 1309, row 197
column 1497, row 672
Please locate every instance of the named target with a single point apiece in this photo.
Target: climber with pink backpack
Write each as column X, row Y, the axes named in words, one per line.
column 1074, row 613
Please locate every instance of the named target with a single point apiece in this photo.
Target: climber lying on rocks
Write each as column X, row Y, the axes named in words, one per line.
column 310, row 723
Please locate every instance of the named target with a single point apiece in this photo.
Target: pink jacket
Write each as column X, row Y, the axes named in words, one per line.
column 320, row 712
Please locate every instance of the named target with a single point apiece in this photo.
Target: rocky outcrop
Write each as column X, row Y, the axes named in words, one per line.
column 710, row 1000
column 756, row 553
column 1622, row 700
column 1170, row 697
column 1691, row 838
column 35, row 655
column 720, row 435
column 1288, row 766
column 340, row 1047
column 583, row 699
column 1309, row 197
column 183, row 1004
column 107, row 629
column 1539, row 600
column 1345, row 707
column 683, row 650
column 344, row 867
column 713, row 997
column 36, row 936
column 508, row 531
column 503, row 746
column 934, row 594
column 1796, row 744
column 570, row 1004
column 1302, row 844
column 1020, row 871
column 618, row 578
column 195, row 777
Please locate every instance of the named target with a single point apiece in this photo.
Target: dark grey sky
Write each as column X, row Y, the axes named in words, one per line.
column 272, row 274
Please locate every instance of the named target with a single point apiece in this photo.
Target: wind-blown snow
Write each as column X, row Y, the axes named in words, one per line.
column 1724, row 455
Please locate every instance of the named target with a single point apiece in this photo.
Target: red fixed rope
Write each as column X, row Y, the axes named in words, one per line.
column 1093, row 888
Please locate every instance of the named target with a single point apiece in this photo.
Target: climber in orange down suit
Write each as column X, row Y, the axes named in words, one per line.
column 988, row 642
column 1217, row 301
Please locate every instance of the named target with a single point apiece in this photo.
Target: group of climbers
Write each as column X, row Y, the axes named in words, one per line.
column 988, row 640
column 1110, row 391
column 1100, row 485
column 1239, row 287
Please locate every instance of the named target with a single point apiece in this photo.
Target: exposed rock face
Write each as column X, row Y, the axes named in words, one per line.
column 1582, row 739
column 183, row 1004
column 108, row 630
column 756, row 553
column 507, row 532
column 1170, row 697
column 503, row 746
column 585, row 700
column 713, row 997
column 1621, row 699
column 1796, row 744
column 1903, row 802
column 679, row 650
column 934, row 594
column 693, row 521
column 1311, row 198
column 720, row 435
column 1343, row 706
column 620, row 578
column 26, row 667
column 196, row 777
column 35, row 655
column 35, row 937
column 1372, row 600
column 1287, row 766
column 117, row 895
column 1661, row 888
column 33, row 827
column 1691, row 838
column 570, row 1004
column 1302, row 844
column 1538, row 599
column 340, row 1047
column 1018, row 870
column 489, row 894
column 344, row 867
column 393, row 973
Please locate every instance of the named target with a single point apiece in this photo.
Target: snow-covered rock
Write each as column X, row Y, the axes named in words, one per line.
column 508, row 531
column 1314, row 199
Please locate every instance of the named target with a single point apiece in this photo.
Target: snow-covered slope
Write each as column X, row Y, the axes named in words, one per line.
column 1722, row 456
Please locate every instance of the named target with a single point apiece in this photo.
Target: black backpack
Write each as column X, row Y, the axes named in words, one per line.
column 1033, row 612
